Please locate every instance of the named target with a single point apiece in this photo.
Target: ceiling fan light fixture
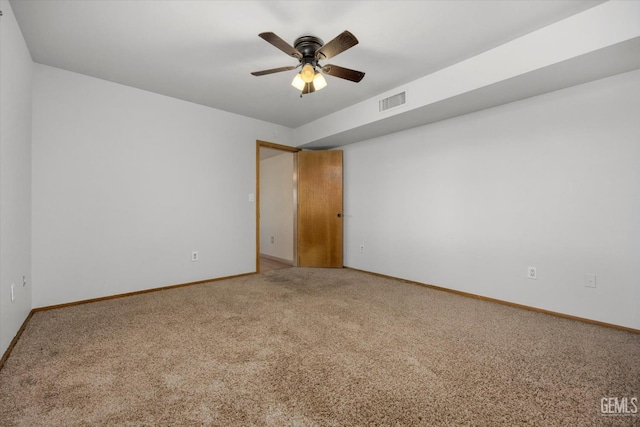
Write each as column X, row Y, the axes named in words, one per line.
column 319, row 81
column 308, row 73
column 308, row 51
column 297, row 82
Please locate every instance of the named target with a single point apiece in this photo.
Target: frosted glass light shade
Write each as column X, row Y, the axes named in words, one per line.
column 297, row 82
column 307, row 73
column 318, row 81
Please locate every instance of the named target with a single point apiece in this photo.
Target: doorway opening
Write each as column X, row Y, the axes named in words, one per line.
column 276, row 206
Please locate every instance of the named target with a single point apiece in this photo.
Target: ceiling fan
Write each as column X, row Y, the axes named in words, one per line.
column 309, row 50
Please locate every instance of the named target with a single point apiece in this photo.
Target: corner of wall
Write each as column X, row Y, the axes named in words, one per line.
column 16, row 69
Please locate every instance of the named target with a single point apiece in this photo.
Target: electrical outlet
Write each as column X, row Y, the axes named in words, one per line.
column 13, row 297
column 361, row 248
column 272, row 240
column 195, row 256
column 590, row 280
column 24, row 280
column 532, row 273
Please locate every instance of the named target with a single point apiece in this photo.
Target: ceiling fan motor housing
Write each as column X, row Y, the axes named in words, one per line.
column 307, row 46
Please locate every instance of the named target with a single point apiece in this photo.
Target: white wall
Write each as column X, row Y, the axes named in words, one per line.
column 471, row 202
column 126, row 183
column 15, row 176
column 276, row 206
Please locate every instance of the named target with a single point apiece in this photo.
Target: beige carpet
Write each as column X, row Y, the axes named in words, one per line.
column 305, row 347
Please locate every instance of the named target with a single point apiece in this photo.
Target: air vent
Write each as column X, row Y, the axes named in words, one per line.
column 392, row 101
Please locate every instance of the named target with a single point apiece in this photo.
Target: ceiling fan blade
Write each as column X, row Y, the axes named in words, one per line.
column 273, row 70
column 281, row 44
column 336, row 46
column 343, row 73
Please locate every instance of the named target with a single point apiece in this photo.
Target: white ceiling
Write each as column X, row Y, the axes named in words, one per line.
column 204, row 51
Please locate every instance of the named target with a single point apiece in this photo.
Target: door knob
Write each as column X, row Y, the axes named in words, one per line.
column 339, row 215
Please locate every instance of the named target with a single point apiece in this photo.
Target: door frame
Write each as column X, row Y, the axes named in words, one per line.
column 294, row 151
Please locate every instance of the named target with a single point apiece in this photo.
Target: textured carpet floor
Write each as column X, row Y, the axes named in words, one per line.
column 313, row 347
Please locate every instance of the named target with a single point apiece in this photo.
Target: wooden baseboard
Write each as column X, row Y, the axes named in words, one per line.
column 6, row 354
column 510, row 304
column 275, row 258
column 15, row 339
column 128, row 294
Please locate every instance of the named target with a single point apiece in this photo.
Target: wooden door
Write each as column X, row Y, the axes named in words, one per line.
column 320, row 209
